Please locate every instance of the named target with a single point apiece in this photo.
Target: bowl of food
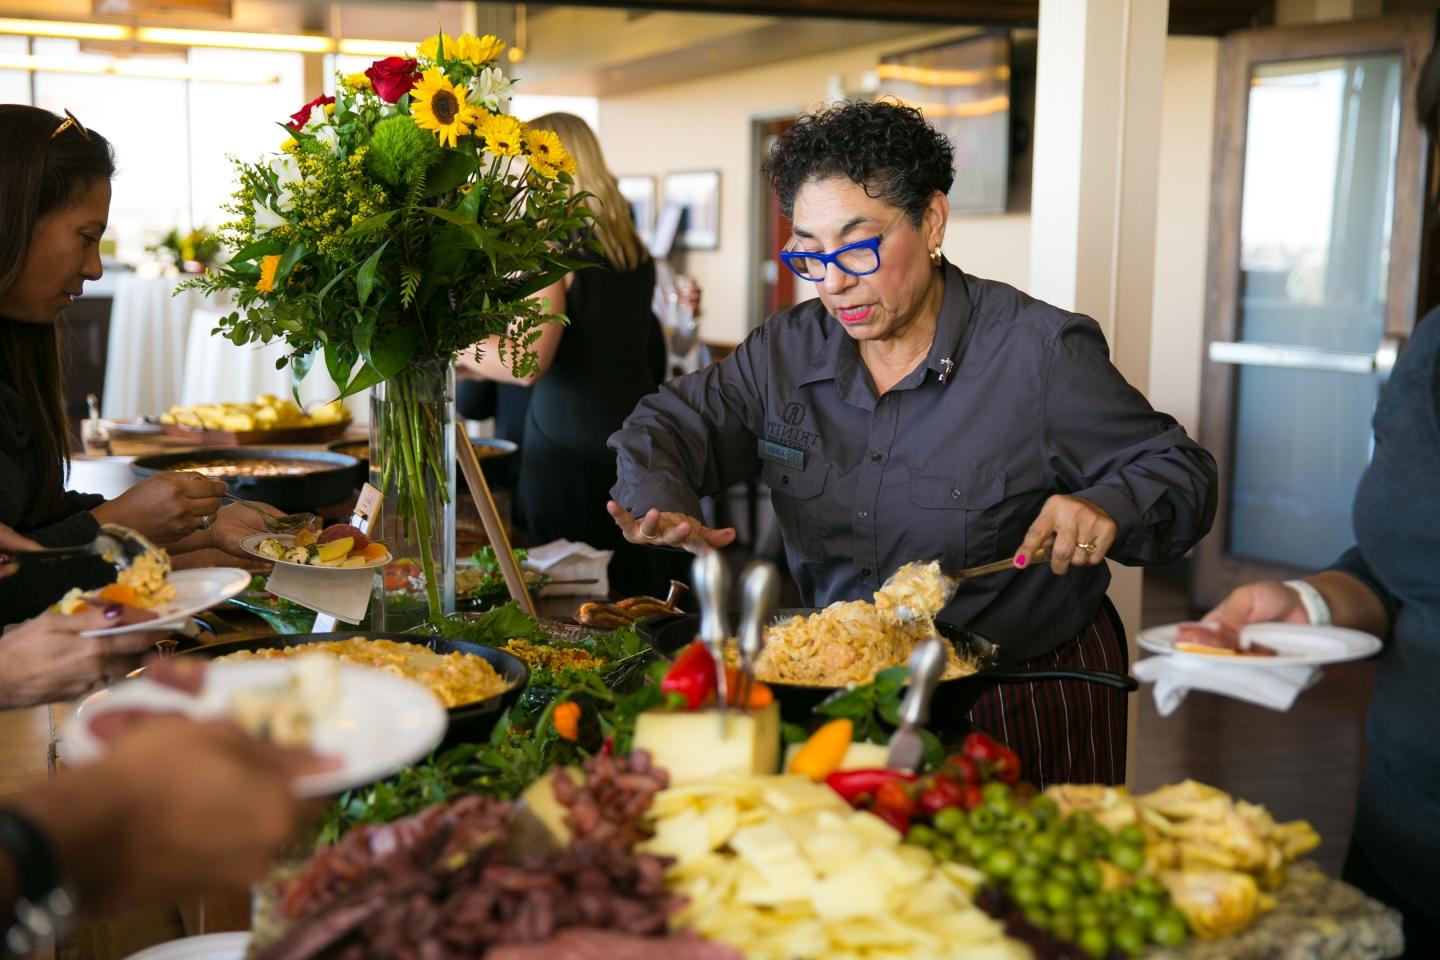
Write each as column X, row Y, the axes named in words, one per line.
column 472, row 681
column 291, row 480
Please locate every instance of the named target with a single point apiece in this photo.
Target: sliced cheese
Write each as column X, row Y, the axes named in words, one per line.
column 691, row 748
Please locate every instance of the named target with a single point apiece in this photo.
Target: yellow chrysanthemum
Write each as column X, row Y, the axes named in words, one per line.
column 478, row 50
column 504, row 136
column 438, row 105
column 268, row 266
column 290, row 144
column 430, row 49
column 547, row 153
column 357, row 82
column 329, row 109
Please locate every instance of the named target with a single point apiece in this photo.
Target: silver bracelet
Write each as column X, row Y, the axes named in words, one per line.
column 1312, row 600
column 39, row 922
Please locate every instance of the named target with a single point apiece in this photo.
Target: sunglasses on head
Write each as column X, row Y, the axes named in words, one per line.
column 69, row 122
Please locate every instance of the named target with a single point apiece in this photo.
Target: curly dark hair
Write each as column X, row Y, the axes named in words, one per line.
column 888, row 148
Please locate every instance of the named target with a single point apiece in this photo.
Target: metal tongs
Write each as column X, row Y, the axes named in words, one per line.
column 712, row 588
column 760, row 588
column 114, row 544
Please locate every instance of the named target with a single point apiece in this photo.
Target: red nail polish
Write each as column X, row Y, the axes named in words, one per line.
column 1021, row 560
column 113, row 611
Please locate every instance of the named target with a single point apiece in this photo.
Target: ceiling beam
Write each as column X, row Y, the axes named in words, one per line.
column 1186, row 16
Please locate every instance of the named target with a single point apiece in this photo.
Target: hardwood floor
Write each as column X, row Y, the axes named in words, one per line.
column 1302, row 764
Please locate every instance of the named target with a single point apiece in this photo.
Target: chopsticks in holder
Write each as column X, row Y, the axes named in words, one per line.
column 490, row 517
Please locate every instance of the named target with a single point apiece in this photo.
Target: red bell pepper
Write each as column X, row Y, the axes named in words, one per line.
column 854, row 785
column 692, row 675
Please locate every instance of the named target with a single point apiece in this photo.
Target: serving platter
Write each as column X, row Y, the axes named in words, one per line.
column 380, row 723
column 1295, row 644
column 201, row 436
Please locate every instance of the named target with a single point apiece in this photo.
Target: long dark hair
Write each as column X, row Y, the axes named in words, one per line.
column 39, row 173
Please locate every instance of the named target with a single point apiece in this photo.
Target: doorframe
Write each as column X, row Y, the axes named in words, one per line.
column 759, row 210
column 1411, row 35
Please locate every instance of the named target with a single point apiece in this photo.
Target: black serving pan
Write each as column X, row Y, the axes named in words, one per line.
column 469, row 723
column 953, row 699
column 331, row 483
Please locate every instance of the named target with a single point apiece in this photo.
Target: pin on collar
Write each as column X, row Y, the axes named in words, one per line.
column 947, row 367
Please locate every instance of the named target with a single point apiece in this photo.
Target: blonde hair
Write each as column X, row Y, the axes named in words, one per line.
column 614, row 227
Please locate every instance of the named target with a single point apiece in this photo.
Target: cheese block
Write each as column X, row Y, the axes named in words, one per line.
column 690, row 746
column 537, row 821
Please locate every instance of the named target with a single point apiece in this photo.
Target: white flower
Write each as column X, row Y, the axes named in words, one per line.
column 266, row 219
column 287, row 171
column 318, row 118
column 490, row 90
column 284, row 200
column 330, row 137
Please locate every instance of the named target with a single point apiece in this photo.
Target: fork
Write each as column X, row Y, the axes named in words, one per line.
column 286, row 524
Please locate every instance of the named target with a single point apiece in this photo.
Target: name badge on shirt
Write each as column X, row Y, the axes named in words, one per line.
column 781, row 454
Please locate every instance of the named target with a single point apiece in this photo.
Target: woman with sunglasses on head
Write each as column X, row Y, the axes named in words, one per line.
column 54, row 205
column 914, row 412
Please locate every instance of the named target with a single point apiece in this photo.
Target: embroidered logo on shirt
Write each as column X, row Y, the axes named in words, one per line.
column 794, row 413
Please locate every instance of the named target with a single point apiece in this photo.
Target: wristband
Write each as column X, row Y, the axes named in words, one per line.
column 45, row 906
column 1312, row 600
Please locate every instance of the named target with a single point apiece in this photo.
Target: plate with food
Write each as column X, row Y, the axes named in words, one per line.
column 149, row 584
column 338, row 547
column 1261, row 644
column 206, row 946
column 369, row 721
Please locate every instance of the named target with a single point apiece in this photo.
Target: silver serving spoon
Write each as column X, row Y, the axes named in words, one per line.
column 289, row 523
column 760, row 588
column 116, row 545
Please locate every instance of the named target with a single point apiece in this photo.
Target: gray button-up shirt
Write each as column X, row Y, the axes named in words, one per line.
column 1016, row 401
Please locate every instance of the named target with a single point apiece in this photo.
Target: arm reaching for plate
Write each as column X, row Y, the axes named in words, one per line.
column 166, row 507
column 175, row 807
column 46, row 660
column 1352, row 603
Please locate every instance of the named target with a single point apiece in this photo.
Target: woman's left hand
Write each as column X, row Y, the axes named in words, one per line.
column 235, row 522
column 1083, row 534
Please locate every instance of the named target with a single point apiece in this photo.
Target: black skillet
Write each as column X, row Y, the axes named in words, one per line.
column 470, row 722
column 953, row 698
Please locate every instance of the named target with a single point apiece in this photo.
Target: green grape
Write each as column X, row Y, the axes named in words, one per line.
column 1037, row 916
column 1081, row 821
column 982, row 819
column 1148, row 886
column 963, row 835
column 1045, row 809
column 1042, row 846
column 944, row 849
column 949, row 819
column 922, row 836
column 1001, row 863
column 1069, row 851
column 1146, row 909
column 1170, row 930
column 1130, row 938
column 1060, row 873
column 1026, row 874
column 1027, row 894
column 1089, row 875
column 1094, row 941
column 1064, row 926
column 1134, row 835
column 1059, row 896
column 1024, row 823
column 1088, row 916
column 981, row 847
column 996, row 793
column 1125, row 857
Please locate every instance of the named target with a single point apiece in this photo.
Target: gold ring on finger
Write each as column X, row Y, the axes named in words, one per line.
column 1087, row 547
column 651, row 537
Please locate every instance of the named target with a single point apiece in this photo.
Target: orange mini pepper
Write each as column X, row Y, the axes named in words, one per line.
column 567, row 720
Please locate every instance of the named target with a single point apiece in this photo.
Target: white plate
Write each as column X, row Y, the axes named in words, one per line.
column 195, row 592
column 211, row 946
column 131, row 426
column 1295, row 644
column 379, row 724
column 251, row 545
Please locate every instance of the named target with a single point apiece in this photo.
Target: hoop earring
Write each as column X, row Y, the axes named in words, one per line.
column 935, row 256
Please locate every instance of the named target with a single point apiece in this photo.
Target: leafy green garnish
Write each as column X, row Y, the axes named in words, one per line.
column 486, row 561
column 874, row 709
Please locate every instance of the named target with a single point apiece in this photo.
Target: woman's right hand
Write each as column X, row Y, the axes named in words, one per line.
column 46, row 660
column 1260, row 602
column 166, row 506
column 658, row 529
column 10, row 540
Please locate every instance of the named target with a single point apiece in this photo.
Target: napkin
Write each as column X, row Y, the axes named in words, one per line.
column 1174, row 676
column 339, row 593
column 568, row 560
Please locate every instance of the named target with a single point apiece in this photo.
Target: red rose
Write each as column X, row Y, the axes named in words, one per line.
column 393, row 77
column 301, row 117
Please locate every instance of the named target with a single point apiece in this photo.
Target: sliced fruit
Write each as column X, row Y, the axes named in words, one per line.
column 353, row 562
column 334, row 549
column 118, row 593
column 375, row 551
column 339, row 531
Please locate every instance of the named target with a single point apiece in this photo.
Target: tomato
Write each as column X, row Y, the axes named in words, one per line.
column 1007, row 765
column 963, row 768
column 892, row 795
column 397, row 575
column 981, row 749
column 970, row 796
column 942, row 791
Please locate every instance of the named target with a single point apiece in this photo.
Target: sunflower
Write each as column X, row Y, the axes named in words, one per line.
column 478, row 50
column 503, row 134
column 268, row 266
column 439, row 105
column 547, row 153
column 440, row 43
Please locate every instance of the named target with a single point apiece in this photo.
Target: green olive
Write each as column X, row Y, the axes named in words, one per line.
column 1027, row 894
column 996, row 793
column 1094, row 941
column 921, row 835
column 1134, row 835
column 1069, row 851
column 944, row 850
column 1130, row 938
column 1170, row 930
column 1036, row 916
column 1064, row 926
column 948, row 819
column 981, row 847
column 1088, row 916
column 1026, row 874
column 1089, row 875
column 1058, row 895
column 1125, row 857
column 1045, row 809
column 1024, row 822
column 1146, row 909
column 1062, row 873
column 1148, row 886
column 1001, row 863
column 1081, row 821
column 982, row 819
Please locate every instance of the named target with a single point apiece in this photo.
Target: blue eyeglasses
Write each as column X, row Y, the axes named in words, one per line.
column 858, row 259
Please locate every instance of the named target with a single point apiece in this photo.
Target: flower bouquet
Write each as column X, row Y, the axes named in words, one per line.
column 402, row 221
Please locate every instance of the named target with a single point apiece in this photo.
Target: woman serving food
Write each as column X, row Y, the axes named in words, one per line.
column 914, row 412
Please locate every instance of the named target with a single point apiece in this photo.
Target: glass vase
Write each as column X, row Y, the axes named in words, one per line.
column 412, row 463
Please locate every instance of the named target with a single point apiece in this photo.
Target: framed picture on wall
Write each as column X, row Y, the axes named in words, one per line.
column 697, row 194
column 639, row 192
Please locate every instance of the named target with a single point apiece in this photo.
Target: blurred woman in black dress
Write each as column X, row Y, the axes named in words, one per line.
column 592, row 372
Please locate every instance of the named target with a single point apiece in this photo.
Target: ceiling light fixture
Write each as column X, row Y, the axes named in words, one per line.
column 162, row 70
column 65, row 28
column 284, row 42
column 376, row 48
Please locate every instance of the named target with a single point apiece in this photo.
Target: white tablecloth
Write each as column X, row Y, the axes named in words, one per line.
column 145, row 365
column 217, row 371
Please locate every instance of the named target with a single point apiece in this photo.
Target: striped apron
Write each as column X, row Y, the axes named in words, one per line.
column 1065, row 731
